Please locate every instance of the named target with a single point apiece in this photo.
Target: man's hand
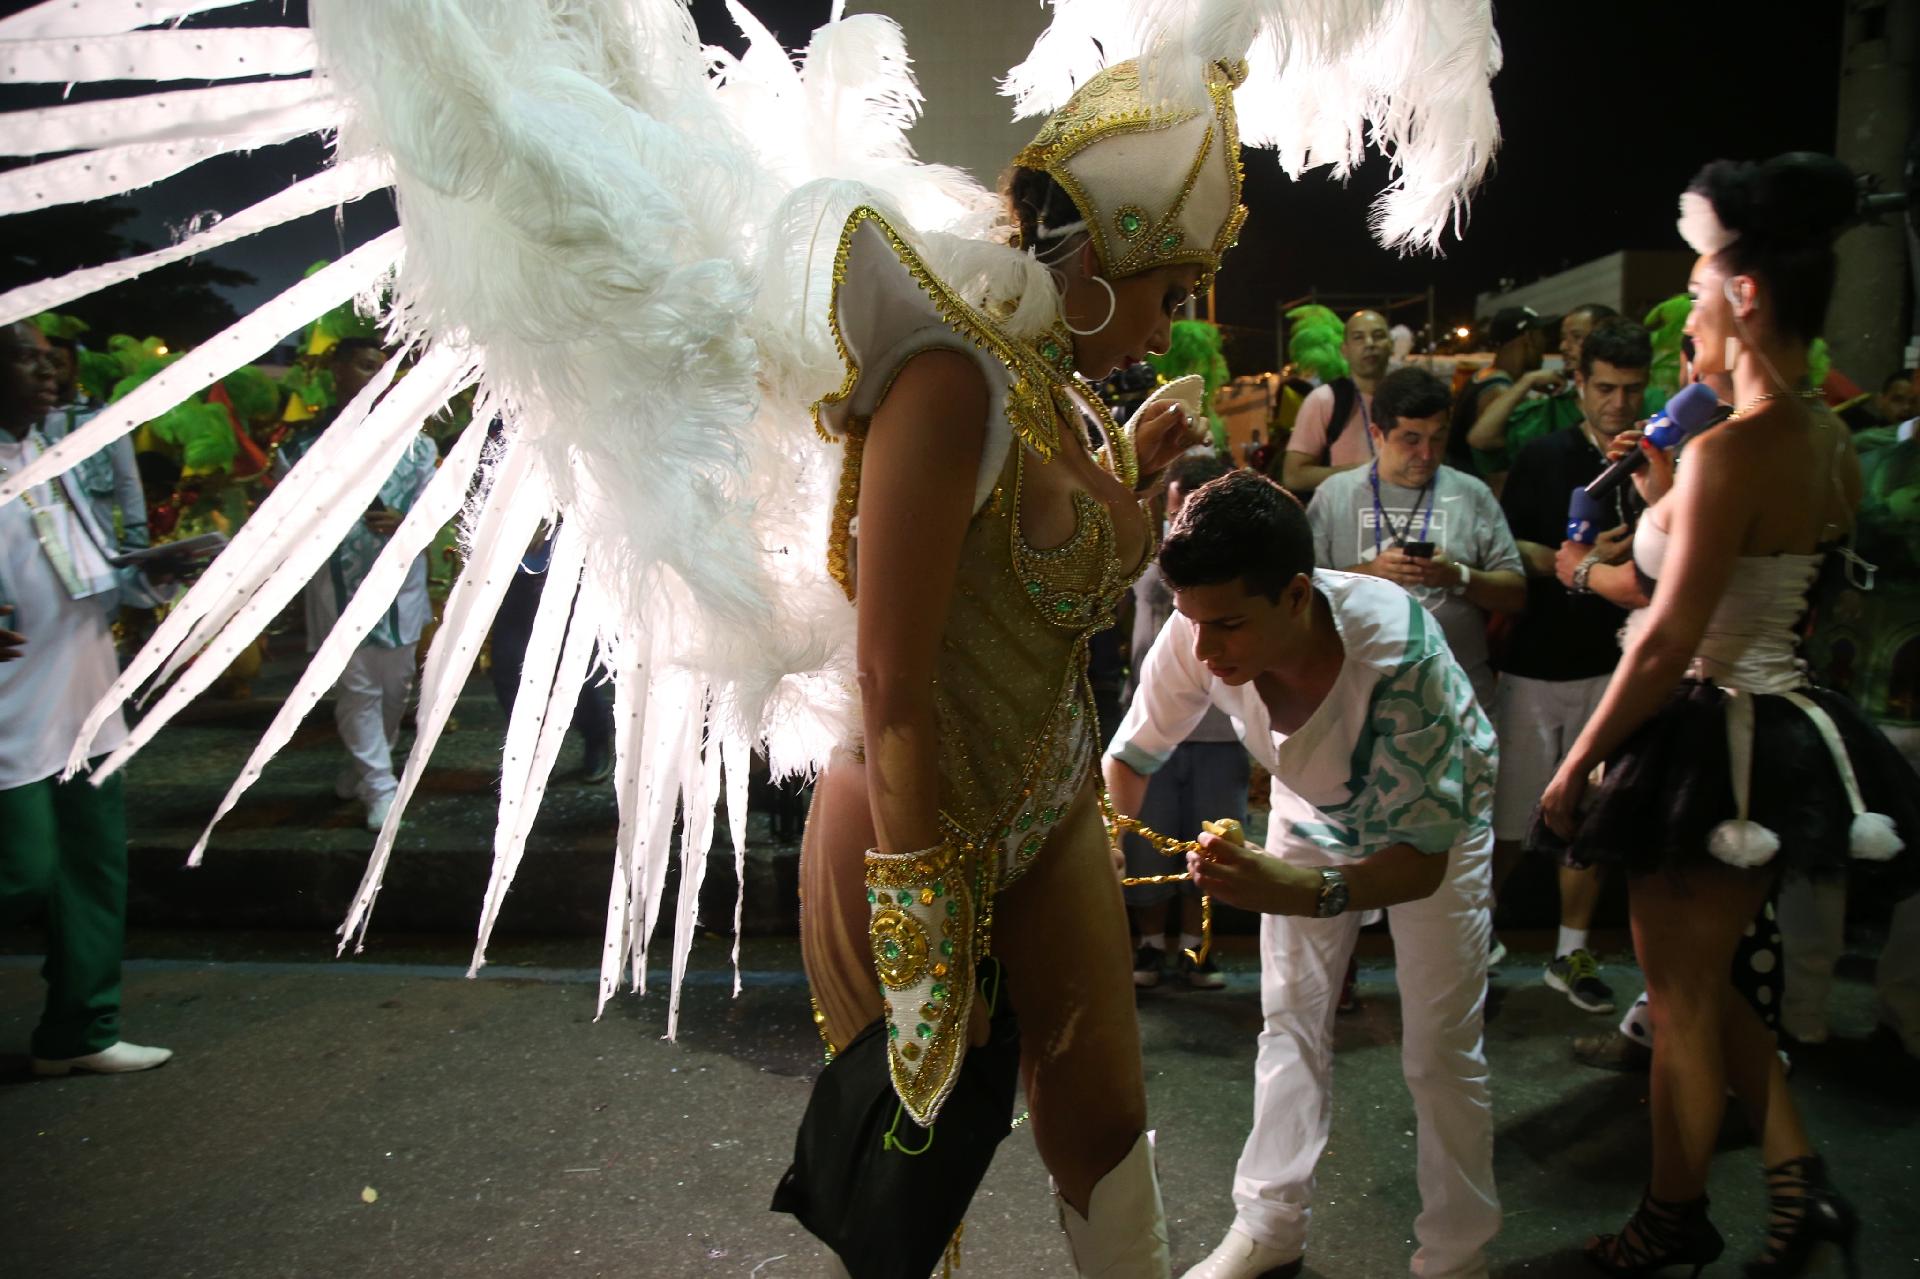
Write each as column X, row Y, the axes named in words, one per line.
column 1569, row 557
column 382, row 522
column 1437, row 570
column 1162, row 433
column 1251, row 879
column 1615, row 545
column 12, row 643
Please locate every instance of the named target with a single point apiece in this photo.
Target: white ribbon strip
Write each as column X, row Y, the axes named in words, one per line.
column 336, row 185
column 151, row 117
column 1836, row 747
column 101, row 17
column 95, row 175
column 216, row 53
column 515, row 505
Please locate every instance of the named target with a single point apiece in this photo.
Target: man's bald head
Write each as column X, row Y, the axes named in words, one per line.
column 1368, row 345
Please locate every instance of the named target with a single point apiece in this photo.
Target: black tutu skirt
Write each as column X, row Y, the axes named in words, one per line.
column 1670, row 785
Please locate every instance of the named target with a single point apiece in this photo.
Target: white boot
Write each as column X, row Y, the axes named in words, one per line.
column 1241, row 1256
column 1124, row 1234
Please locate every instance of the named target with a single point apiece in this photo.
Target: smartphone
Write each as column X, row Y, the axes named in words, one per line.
column 1419, row 550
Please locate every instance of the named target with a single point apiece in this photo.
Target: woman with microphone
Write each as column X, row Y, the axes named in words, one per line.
column 1722, row 764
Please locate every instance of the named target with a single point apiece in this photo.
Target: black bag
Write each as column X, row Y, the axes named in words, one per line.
column 881, row 1191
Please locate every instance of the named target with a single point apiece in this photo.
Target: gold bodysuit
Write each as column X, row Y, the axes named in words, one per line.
column 1018, row 734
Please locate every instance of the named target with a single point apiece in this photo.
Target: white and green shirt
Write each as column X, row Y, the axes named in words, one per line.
column 1399, row 752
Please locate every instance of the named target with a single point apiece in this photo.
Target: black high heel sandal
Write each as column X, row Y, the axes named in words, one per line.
column 1803, row 1212
column 1661, row 1234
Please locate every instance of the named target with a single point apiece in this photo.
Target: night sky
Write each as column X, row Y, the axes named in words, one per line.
column 1606, row 111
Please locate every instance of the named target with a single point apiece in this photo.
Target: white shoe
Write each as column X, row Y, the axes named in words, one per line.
column 346, row 783
column 377, row 812
column 1124, row 1234
column 1241, row 1256
column 119, row 1059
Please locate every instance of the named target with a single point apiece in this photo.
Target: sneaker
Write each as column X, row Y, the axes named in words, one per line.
column 1496, row 954
column 1147, row 963
column 1205, row 975
column 1577, row 976
column 119, row 1059
column 377, row 810
column 1612, row 1051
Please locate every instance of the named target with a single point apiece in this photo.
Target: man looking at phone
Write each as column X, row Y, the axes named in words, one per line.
column 1435, row 531
column 63, row 841
column 372, row 692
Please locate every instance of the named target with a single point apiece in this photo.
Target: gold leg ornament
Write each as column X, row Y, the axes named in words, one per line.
column 1118, row 826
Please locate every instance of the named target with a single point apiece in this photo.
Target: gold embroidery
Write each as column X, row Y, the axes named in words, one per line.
column 899, row 948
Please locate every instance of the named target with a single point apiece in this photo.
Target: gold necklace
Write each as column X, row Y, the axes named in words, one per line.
column 1767, row 396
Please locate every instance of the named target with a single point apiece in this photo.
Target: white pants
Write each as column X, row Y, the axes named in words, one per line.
column 1813, row 918
column 1440, row 946
column 367, row 705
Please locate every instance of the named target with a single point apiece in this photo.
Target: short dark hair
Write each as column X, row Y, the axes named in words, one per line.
column 1620, row 342
column 347, row 348
column 1594, row 311
column 1898, row 375
column 1196, row 470
column 1413, row 391
column 1240, row 527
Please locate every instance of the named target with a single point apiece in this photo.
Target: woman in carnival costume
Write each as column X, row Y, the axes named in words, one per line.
column 984, row 541
column 1723, row 763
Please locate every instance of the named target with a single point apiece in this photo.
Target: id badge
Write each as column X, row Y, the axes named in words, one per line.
column 58, row 554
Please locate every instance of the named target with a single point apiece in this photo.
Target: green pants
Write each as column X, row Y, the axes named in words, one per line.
column 63, row 851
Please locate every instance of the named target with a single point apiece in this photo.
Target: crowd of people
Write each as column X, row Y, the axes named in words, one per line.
column 1434, row 671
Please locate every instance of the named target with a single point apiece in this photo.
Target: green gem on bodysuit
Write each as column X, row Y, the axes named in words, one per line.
column 905, row 898
column 953, row 908
column 1025, row 822
column 1063, row 607
column 1073, row 710
column 939, row 888
column 893, row 1032
column 1031, row 847
column 873, row 898
column 939, row 990
column 946, row 947
column 1034, row 589
column 923, row 1030
column 891, row 950
column 1050, row 352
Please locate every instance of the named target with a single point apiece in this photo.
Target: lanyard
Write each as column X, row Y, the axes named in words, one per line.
column 46, row 530
column 1400, row 536
column 1366, row 421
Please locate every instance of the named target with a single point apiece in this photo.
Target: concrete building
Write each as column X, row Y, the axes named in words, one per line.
column 1631, row 282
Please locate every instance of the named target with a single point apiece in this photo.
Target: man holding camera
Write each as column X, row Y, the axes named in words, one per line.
column 1435, row 531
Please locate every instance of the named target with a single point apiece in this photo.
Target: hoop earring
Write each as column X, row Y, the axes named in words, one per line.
column 1113, row 304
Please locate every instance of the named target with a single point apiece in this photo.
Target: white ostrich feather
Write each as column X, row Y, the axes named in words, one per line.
column 1701, row 227
column 1326, row 80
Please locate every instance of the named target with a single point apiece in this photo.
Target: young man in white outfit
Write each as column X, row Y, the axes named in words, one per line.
column 372, row 693
column 1383, row 767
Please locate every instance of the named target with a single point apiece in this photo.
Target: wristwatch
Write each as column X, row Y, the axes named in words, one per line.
column 1333, row 894
column 1466, row 580
column 1583, row 571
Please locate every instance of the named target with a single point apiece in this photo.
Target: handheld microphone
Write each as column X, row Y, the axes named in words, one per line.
column 1692, row 410
column 1584, row 515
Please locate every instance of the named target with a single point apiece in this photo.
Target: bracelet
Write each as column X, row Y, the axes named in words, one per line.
column 1583, row 572
column 921, row 926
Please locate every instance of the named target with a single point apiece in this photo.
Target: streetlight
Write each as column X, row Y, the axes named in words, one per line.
column 1463, row 332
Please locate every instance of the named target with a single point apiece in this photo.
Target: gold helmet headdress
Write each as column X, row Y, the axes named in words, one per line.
column 1155, row 182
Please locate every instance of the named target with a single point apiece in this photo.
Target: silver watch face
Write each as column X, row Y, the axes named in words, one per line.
column 1333, row 893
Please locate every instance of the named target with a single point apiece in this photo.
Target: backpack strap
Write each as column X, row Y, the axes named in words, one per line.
column 1344, row 395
